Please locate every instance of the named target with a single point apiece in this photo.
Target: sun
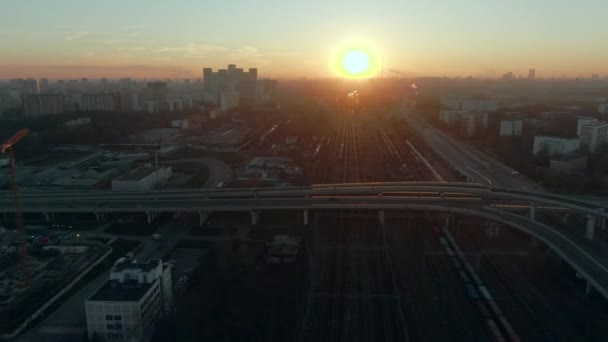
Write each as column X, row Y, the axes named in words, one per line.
column 356, row 62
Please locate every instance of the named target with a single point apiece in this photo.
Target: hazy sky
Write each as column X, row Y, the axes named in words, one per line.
column 113, row 38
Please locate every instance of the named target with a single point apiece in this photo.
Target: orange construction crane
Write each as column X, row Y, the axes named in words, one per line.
column 7, row 149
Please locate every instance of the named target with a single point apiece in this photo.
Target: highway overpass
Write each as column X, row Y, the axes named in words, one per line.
column 460, row 198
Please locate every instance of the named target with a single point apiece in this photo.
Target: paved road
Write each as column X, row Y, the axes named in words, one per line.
column 469, row 160
column 68, row 321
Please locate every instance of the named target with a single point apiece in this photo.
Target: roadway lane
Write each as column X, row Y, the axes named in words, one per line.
column 477, row 165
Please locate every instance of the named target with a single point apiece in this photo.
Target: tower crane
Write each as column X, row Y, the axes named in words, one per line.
column 7, row 149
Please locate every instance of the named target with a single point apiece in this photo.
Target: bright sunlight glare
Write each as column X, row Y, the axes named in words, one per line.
column 356, row 62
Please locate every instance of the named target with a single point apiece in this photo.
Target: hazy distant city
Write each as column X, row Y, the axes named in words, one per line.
column 201, row 171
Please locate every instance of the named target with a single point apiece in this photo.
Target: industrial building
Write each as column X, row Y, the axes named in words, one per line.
column 510, row 128
column 142, row 178
column 127, row 306
column 555, row 145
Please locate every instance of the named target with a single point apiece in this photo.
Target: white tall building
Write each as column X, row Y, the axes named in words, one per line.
column 510, row 128
column 594, row 134
column 582, row 121
column 555, row 146
column 126, row 307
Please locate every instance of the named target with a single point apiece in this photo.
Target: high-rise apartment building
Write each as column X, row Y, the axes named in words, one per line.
column 531, row 74
column 510, row 128
column 30, row 86
column 103, row 102
column 230, row 80
column 43, row 104
column 555, row 145
column 594, row 134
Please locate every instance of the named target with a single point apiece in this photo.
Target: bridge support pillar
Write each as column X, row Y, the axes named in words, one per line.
column 588, row 288
column 590, row 230
column 449, row 220
column 254, row 217
column 149, row 217
column 381, row 216
column 532, row 212
column 492, row 230
column 98, row 217
column 202, row 217
column 47, row 217
column 565, row 218
column 305, row 217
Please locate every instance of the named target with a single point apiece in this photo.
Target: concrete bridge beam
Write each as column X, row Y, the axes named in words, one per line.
column 590, row 229
column 202, row 217
column 532, row 212
column 254, row 217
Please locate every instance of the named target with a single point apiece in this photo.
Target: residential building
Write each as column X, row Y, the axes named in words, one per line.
column 129, row 101
column 126, row 83
column 30, row 86
column 126, row 307
column 510, row 128
column 603, row 108
column 103, row 84
column 450, row 117
column 450, row 102
column 229, row 99
column 16, row 83
column 469, row 122
column 43, row 104
column 555, row 145
column 582, row 121
column 155, row 91
column 594, row 134
column 531, row 74
column 230, row 80
column 479, row 105
column 568, row 164
column 102, row 102
column 142, row 178
column 43, row 85
column 265, row 90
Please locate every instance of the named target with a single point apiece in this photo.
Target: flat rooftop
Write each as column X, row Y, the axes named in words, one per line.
column 128, row 291
column 136, row 174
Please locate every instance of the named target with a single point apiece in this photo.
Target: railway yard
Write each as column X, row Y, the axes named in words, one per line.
column 411, row 278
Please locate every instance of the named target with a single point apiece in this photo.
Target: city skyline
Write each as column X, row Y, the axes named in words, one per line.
column 456, row 38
